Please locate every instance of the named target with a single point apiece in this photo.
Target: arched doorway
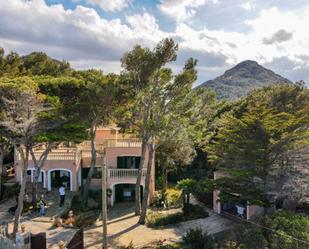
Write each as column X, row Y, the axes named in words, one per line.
column 58, row 177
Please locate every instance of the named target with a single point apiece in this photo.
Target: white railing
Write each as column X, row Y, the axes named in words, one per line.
column 127, row 143
column 87, row 154
column 60, row 156
column 67, row 156
column 123, row 173
column 105, row 143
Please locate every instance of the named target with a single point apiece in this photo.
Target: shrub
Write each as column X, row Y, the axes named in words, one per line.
column 171, row 198
column 191, row 211
column 10, row 191
column 253, row 238
column 159, row 199
column 86, row 219
column 197, row 239
column 233, row 245
column 290, row 225
column 96, row 195
column 157, row 219
column 83, row 218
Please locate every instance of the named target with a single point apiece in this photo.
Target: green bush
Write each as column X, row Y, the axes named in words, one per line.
column 159, row 198
column 157, row 219
column 83, row 218
column 194, row 211
column 10, row 191
column 96, row 195
column 289, row 225
column 86, row 219
column 171, row 198
column 174, row 198
column 197, row 239
column 253, row 238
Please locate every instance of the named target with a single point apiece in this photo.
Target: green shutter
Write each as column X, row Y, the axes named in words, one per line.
column 137, row 161
column 120, row 162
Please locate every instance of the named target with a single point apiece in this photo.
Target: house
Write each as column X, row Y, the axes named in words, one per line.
column 69, row 164
column 239, row 209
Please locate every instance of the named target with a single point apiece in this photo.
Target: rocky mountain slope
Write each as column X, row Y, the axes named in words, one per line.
column 242, row 78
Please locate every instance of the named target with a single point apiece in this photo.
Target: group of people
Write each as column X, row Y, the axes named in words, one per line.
column 42, row 203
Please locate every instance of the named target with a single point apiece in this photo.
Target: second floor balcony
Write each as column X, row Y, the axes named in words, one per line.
column 124, row 173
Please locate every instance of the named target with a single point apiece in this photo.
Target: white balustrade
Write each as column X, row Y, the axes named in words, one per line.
column 57, row 155
column 123, row 173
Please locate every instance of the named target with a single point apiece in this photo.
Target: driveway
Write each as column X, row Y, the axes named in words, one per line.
column 123, row 228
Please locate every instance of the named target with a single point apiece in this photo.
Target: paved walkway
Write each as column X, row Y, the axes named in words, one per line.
column 52, row 206
column 124, row 229
column 36, row 224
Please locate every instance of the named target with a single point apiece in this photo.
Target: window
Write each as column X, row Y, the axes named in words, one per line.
column 128, row 162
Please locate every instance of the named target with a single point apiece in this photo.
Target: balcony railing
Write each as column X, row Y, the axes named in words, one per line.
column 67, row 156
column 123, row 173
column 54, row 155
column 87, row 154
column 106, row 143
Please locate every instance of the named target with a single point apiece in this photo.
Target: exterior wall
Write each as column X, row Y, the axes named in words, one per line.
column 216, row 202
column 114, row 152
column 103, row 133
column 50, row 166
column 253, row 210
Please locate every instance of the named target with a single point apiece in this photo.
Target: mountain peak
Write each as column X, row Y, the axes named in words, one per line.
column 242, row 78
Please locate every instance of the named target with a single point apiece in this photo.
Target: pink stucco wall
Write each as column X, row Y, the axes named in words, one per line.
column 216, row 202
column 114, row 152
column 102, row 134
column 253, row 210
column 50, row 165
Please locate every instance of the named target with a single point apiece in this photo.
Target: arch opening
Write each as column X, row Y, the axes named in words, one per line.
column 59, row 177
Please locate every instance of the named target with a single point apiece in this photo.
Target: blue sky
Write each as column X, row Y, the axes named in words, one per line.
column 219, row 33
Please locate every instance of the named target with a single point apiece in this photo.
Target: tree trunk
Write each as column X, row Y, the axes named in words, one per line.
column 35, row 186
column 104, row 203
column 92, row 164
column 38, row 165
column 1, row 169
column 147, row 183
column 139, row 178
column 20, row 204
column 164, row 178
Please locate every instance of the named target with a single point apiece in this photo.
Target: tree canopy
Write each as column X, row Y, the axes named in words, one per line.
column 253, row 140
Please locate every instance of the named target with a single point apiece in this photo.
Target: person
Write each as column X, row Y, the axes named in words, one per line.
column 62, row 195
column 42, row 205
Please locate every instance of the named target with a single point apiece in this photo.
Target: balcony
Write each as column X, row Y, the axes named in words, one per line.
column 60, row 155
column 125, row 173
column 107, row 143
